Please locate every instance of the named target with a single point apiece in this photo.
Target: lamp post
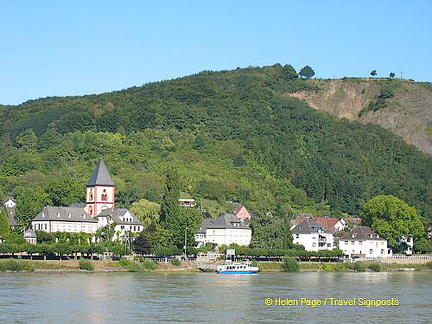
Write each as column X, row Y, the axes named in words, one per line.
column 185, row 244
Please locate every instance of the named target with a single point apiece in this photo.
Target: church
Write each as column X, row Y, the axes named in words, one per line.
column 99, row 210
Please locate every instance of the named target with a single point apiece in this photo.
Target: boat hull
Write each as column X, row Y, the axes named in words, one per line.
column 237, row 272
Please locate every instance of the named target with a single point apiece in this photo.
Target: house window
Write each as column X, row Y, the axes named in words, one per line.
column 313, row 244
column 360, row 242
column 328, row 244
column 91, row 194
column 352, row 242
column 371, row 251
column 297, row 236
column 122, row 227
column 382, row 251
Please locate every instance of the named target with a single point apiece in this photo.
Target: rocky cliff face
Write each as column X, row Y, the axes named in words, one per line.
column 408, row 114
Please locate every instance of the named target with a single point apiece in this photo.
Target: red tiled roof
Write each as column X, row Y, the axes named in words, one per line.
column 327, row 222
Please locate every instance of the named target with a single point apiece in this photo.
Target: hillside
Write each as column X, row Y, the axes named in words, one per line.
column 407, row 114
column 234, row 136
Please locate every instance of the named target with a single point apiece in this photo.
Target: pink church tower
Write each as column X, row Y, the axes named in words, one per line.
column 100, row 191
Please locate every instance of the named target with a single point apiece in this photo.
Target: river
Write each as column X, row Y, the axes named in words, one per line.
column 208, row 297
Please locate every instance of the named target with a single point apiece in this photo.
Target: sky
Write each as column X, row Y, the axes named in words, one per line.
column 64, row 48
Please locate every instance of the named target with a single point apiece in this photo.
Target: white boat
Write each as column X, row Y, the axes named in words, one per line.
column 237, row 267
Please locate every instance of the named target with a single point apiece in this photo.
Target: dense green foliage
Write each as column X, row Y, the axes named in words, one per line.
column 232, row 135
column 86, row 265
column 290, row 265
column 4, row 224
column 393, row 218
column 270, row 232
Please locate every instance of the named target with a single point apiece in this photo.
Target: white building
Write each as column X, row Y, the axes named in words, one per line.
column 126, row 222
column 313, row 236
column 224, row 230
column 363, row 242
column 64, row 219
column 98, row 211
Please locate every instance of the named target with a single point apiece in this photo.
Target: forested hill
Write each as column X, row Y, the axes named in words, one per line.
column 234, row 136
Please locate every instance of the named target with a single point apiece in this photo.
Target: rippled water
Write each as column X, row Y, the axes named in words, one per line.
column 208, row 297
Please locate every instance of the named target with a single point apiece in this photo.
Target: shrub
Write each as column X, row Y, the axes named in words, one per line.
column 359, row 266
column 326, row 267
column 429, row 265
column 86, row 265
column 375, row 266
column 175, row 262
column 149, row 265
column 14, row 265
column 290, row 265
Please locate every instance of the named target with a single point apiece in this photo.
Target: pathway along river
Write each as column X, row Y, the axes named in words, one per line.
column 208, row 297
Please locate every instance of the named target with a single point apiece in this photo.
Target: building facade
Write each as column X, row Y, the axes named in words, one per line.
column 98, row 211
column 363, row 242
column 224, row 230
column 313, row 236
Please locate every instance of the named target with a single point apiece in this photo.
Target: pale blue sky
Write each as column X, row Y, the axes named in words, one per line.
column 58, row 48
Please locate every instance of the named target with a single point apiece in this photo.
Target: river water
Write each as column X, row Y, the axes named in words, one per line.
column 208, row 297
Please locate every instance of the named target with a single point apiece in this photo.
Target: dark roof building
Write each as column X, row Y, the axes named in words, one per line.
column 121, row 216
column 309, row 226
column 68, row 214
column 227, row 220
column 362, row 233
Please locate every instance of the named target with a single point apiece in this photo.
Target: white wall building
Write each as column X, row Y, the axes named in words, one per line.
column 224, row 230
column 313, row 236
column 64, row 219
column 362, row 241
column 98, row 211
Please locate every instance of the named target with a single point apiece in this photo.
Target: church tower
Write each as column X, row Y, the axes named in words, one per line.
column 100, row 191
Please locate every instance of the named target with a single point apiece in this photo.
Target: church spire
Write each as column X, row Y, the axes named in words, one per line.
column 100, row 176
column 100, row 191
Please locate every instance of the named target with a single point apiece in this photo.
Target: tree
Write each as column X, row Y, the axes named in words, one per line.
column 393, row 218
column 307, row 72
column 373, row 73
column 146, row 211
column 4, row 224
column 170, row 208
column 288, row 72
column 270, row 232
column 392, row 75
column 27, row 141
column 64, row 191
column 30, row 201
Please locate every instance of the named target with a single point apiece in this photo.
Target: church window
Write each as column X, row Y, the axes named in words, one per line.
column 104, row 195
column 91, row 210
column 91, row 194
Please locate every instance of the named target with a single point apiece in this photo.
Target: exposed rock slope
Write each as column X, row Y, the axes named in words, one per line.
column 408, row 114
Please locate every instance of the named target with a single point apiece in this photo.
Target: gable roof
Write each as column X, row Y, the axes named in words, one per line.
column 362, row 233
column 100, row 176
column 327, row 222
column 227, row 221
column 309, row 226
column 64, row 214
column 116, row 215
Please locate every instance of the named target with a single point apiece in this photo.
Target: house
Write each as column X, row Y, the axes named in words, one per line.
column 362, row 241
column 30, row 236
column 64, row 219
column 98, row 210
column 331, row 223
column 187, row 202
column 352, row 221
column 313, row 236
column 126, row 222
column 242, row 212
column 224, row 230
column 10, row 206
column 298, row 218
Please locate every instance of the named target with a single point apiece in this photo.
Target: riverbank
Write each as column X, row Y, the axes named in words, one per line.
column 191, row 266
